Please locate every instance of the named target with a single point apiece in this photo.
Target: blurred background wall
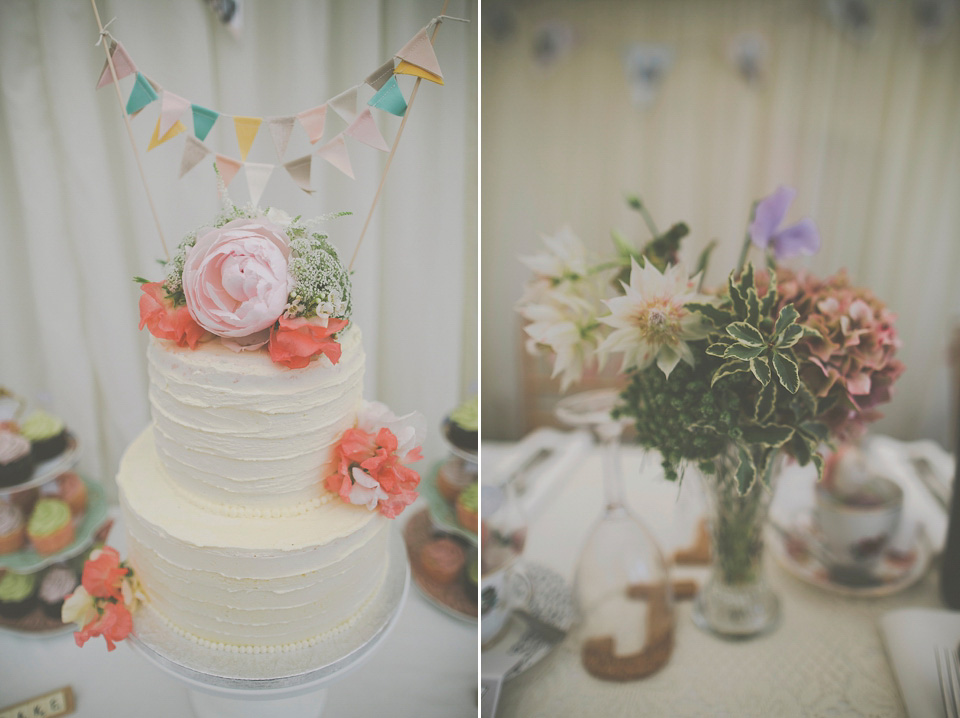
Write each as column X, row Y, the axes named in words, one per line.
column 855, row 104
column 75, row 226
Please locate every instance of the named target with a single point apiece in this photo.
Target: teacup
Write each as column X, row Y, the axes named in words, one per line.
column 501, row 592
column 857, row 522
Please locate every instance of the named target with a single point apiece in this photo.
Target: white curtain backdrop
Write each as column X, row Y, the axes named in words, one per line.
column 75, row 226
column 868, row 133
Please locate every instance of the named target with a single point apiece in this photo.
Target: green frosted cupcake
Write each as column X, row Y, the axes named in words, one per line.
column 50, row 527
column 468, row 504
column 17, row 594
column 464, row 422
column 48, row 437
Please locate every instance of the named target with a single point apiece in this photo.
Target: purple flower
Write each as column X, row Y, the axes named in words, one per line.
column 800, row 238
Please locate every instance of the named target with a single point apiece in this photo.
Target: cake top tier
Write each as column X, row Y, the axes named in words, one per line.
column 253, row 281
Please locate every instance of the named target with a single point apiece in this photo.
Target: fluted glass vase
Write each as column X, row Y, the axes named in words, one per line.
column 736, row 602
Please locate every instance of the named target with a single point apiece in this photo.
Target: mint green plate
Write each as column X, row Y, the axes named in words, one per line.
column 26, row 560
column 442, row 512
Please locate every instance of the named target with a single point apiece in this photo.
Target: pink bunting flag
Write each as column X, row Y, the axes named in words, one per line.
column 280, row 129
column 122, row 63
column 228, row 169
column 193, row 151
column 299, row 171
column 313, row 121
column 335, row 152
column 257, row 177
column 172, row 108
column 419, row 51
column 364, row 129
column 345, row 104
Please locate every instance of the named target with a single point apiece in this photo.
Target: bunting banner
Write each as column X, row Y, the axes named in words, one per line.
column 380, row 90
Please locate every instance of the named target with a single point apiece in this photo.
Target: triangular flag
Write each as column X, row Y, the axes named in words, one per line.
column 193, row 151
column 365, row 130
column 280, row 128
column 389, row 98
column 313, row 122
column 345, row 104
column 141, row 95
column 203, row 120
column 378, row 77
column 122, row 63
column 159, row 139
column 405, row 68
column 171, row 108
column 228, row 168
column 299, row 170
column 335, row 152
column 246, row 128
column 257, row 177
column 419, row 52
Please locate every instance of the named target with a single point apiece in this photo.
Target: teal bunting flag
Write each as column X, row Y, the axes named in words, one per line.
column 203, row 120
column 141, row 95
column 389, row 98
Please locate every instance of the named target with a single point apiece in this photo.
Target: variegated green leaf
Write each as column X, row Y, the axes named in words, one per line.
column 767, row 434
column 806, row 400
column 810, row 332
column 738, row 351
column 816, row 430
column 818, row 462
column 801, row 449
column 746, row 335
column 766, row 402
column 727, row 368
column 769, row 301
column 746, row 471
column 787, row 371
column 791, row 335
column 760, row 366
column 788, row 315
column 718, row 316
column 717, row 349
column 739, row 303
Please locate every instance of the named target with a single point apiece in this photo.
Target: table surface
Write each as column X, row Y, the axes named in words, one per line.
column 825, row 658
column 426, row 667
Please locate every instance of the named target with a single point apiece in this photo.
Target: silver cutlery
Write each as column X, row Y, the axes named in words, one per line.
column 948, row 671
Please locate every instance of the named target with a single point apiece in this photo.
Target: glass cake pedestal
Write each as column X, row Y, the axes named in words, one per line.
column 291, row 684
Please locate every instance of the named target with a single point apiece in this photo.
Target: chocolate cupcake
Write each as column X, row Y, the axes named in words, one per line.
column 50, row 527
column 17, row 594
column 16, row 461
column 57, row 583
column 12, row 528
column 462, row 429
column 442, row 560
column 48, row 437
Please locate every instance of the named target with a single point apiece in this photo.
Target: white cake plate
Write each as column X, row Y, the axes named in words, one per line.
column 291, row 684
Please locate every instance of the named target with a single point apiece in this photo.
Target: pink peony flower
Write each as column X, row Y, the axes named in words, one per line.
column 235, row 277
column 294, row 342
column 103, row 574
column 164, row 321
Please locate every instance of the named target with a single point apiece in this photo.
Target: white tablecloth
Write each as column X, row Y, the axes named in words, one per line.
column 825, row 659
column 426, row 667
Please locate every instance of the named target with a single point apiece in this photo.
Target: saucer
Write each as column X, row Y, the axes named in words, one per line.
column 896, row 570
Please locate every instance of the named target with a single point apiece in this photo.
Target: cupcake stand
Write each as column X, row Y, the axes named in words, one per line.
column 87, row 526
column 291, row 684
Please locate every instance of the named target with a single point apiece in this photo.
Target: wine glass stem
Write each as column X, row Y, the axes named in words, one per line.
column 612, row 484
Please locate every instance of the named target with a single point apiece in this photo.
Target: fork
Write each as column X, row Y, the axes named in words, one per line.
column 948, row 671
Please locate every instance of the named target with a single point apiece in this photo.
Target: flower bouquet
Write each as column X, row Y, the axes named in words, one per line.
column 773, row 364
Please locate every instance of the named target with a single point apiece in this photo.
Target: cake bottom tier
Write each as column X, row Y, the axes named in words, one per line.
column 235, row 581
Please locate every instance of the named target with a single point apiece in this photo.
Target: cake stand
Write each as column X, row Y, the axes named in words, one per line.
column 291, row 684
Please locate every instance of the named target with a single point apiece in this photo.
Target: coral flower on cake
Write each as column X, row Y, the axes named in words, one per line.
column 103, row 574
column 103, row 604
column 371, row 460
column 294, row 342
column 164, row 321
column 651, row 321
column 114, row 624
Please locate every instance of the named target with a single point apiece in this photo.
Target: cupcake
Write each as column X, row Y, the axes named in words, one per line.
column 57, row 583
column 17, row 594
column 453, row 476
column 50, row 527
column 11, row 528
column 463, row 425
column 442, row 560
column 467, row 507
column 16, row 461
column 72, row 489
column 47, row 436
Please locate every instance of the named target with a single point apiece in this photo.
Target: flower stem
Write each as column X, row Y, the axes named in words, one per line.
column 746, row 239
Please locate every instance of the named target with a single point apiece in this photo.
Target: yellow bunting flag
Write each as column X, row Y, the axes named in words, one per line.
column 246, row 128
column 171, row 133
column 405, row 68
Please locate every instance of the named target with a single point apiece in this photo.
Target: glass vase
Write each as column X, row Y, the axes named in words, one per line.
column 622, row 584
column 736, row 602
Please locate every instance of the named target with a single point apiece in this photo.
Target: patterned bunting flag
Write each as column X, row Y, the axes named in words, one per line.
column 280, row 128
column 228, row 168
column 313, row 121
column 365, row 130
column 405, row 68
column 159, row 139
column 389, row 98
column 141, row 95
column 419, row 52
column 203, row 120
column 246, row 128
column 122, row 63
column 345, row 104
column 171, row 108
column 379, row 77
column 257, row 177
column 335, row 152
column 299, row 171
column 193, row 151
